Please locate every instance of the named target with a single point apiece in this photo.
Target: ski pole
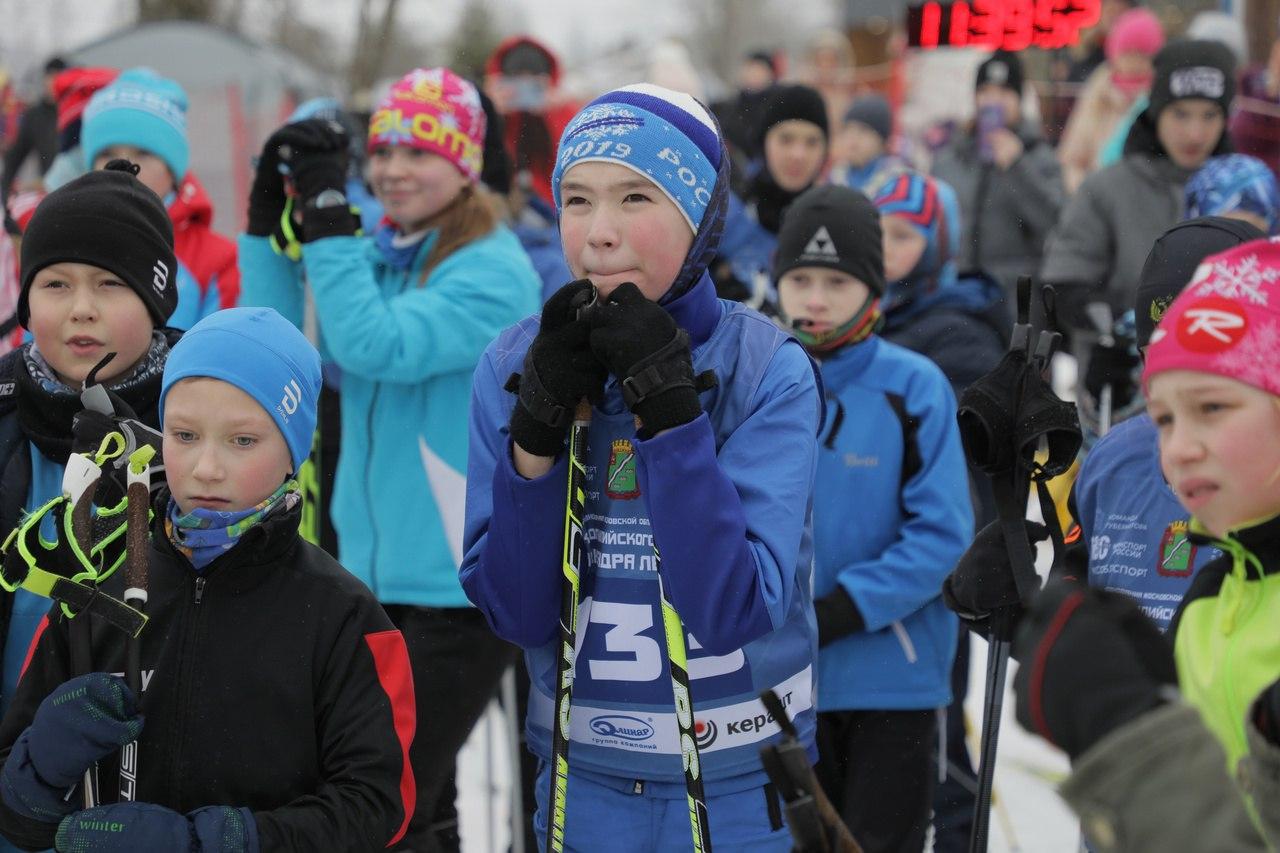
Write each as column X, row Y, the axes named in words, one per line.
column 815, row 824
column 79, row 482
column 1100, row 315
column 137, row 520
column 1011, row 492
column 677, row 656
column 572, row 564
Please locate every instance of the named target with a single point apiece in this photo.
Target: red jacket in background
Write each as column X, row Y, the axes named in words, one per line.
column 208, row 255
column 557, row 114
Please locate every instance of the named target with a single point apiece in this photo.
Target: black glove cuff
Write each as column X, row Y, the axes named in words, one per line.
column 669, row 367
column 838, row 616
column 669, row 409
column 533, row 435
column 536, row 399
column 328, row 220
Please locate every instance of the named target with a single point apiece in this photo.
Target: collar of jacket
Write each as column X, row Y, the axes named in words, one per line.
column 848, row 362
column 397, row 252
column 264, row 544
column 697, row 311
column 1254, row 543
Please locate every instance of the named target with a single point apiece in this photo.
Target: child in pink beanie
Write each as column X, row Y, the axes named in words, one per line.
column 1110, row 92
column 1213, row 389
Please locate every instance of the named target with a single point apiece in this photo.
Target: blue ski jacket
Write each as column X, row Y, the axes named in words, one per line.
column 726, row 498
column 407, row 353
column 891, row 517
column 748, row 247
column 1132, row 523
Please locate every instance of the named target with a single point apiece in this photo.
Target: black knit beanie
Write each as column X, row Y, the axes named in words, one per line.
column 1002, row 68
column 1173, row 261
column 107, row 219
column 835, row 227
column 873, row 111
column 1193, row 69
column 792, row 101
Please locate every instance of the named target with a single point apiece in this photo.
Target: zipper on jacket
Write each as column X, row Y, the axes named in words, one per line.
column 368, row 494
column 187, row 661
column 904, row 639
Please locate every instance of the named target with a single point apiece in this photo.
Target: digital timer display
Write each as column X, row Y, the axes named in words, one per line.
column 995, row 24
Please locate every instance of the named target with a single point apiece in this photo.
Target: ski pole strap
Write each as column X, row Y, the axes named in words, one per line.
column 1011, row 507
column 284, row 240
column 74, row 596
column 662, row 371
column 535, row 398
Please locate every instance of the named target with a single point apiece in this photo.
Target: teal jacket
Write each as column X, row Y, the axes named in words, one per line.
column 407, row 353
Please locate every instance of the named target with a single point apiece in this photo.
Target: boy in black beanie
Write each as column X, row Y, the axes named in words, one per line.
column 1096, row 251
column 98, row 274
column 890, row 447
column 793, row 138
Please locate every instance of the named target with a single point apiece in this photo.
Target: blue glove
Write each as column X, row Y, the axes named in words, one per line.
column 129, row 827
column 83, row 721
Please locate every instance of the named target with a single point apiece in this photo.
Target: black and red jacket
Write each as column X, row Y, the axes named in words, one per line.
column 273, row 681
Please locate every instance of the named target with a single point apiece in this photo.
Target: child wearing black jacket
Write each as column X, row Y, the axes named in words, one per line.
column 277, row 705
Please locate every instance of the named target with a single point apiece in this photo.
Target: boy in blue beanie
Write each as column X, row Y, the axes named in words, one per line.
column 718, row 480
column 142, row 117
column 277, row 706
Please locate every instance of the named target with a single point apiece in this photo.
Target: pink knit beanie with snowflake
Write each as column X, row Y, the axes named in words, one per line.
column 1226, row 321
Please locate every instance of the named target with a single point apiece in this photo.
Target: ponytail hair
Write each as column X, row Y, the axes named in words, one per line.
column 467, row 218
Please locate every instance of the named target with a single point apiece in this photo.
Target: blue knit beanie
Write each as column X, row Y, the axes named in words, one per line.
column 262, row 354
column 142, row 109
column 663, row 135
column 668, row 138
column 1234, row 182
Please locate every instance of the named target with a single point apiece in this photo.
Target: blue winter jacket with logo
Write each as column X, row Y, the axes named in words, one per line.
column 726, row 499
column 1132, row 523
column 891, row 517
column 407, row 353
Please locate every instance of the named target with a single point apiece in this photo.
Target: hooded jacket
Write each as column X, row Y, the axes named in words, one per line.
column 1102, row 239
column 730, row 520
column 272, row 680
column 207, row 255
column 1005, row 213
column 556, row 116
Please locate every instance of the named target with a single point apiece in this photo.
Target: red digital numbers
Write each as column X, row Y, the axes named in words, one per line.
column 1008, row 24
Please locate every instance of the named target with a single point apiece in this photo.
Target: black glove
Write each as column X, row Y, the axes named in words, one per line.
column 838, row 616
column 1090, row 662
column 315, row 153
column 982, row 581
column 1112, row 365
column 640, row 343
column 267, row 196
column 559, row 371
